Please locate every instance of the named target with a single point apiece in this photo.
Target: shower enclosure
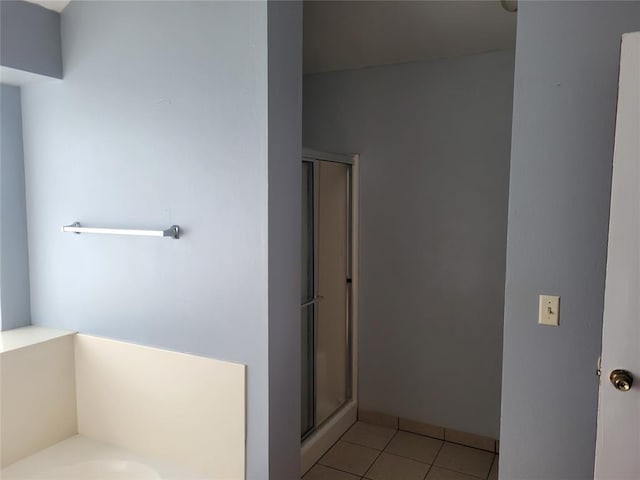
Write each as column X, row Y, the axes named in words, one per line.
column 327, row 303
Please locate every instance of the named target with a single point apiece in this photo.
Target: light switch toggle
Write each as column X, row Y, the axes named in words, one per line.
column 549, row 310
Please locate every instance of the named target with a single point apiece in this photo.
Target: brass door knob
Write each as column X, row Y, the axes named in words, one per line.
column 621, row 380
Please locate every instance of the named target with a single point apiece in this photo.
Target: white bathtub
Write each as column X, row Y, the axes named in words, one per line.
column 81, row 458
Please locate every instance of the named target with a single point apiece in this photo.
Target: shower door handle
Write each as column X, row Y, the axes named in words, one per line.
column 313, row 301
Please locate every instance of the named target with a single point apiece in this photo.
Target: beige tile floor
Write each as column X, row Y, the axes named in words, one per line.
column 371, row 452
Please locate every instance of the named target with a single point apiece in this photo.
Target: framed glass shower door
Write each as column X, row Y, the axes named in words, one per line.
column 325, row 303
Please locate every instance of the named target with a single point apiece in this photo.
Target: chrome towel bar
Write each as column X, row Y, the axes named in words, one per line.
column 173, row 231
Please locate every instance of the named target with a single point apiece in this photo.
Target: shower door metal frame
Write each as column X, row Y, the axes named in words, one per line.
column 318, row 439
column 315, row 298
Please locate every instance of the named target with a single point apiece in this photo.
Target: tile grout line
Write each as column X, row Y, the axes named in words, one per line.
column 422, row 434
column 402, row 456
column 495, row 455
column 434, row 459
column 469, row 446
column 336, row 443
column 334, row 468
column 444, row 439
column 407, row 458
column 379, row 454
column 461, row 473
column 359, row 445
column 351, row 442
column 415, row 459
column 495, row 459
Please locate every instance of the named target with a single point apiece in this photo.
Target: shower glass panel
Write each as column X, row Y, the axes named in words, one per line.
column 325, row 313
column 308, row 293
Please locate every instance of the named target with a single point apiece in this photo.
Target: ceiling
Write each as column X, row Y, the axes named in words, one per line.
column 340, row 35
column 57, row 5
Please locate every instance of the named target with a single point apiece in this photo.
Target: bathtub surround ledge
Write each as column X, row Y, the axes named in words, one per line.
column 30, row 335
column 37, row 392
column 60, row 388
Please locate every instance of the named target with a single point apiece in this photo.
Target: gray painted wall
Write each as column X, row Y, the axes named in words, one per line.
column 434, row 142
column 161, row 119
column 285, row 155
column 30, row 38
column 563, row 130
column 14, row 259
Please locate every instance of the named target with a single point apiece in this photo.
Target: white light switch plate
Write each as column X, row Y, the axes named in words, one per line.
column 549, row 310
